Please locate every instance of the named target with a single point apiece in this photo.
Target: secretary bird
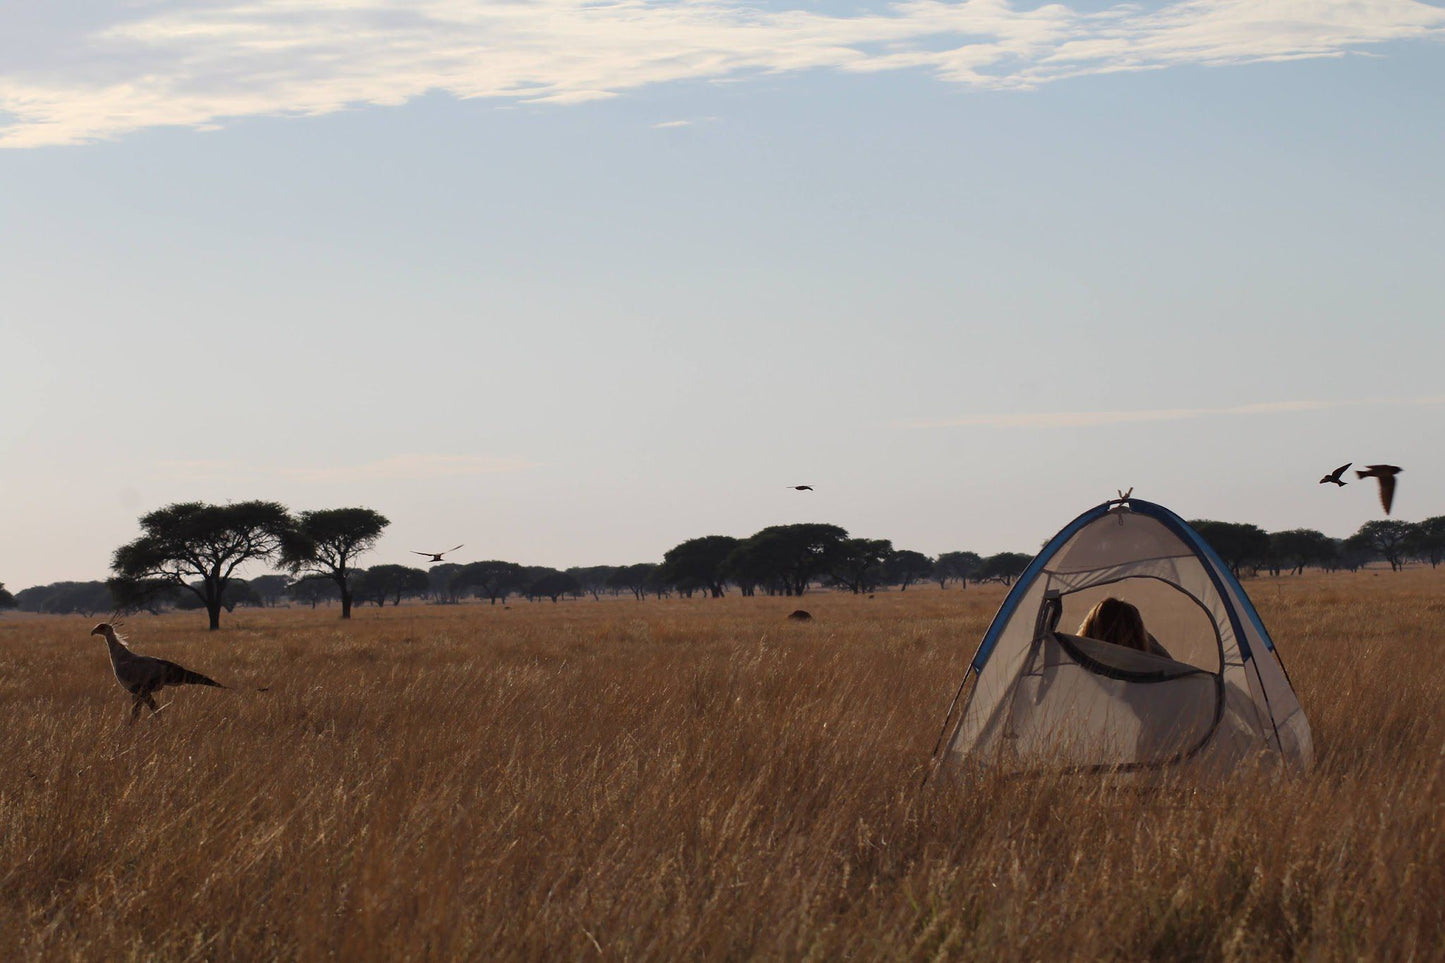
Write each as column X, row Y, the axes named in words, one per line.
column 141, row 675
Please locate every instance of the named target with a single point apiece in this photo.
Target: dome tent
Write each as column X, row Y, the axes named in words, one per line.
column 1211, row 694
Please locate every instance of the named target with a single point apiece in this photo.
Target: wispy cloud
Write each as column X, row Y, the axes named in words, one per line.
column 1091, row 419
column 412, row 467
column 664, row 125
column 197, row 64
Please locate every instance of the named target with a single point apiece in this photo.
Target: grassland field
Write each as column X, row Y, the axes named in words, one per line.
column 690, row 779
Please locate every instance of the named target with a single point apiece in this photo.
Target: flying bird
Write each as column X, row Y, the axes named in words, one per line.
column 801, row 488
column 437, row 556
column 1334, row 476
column 142, row 675
column 1385, row 475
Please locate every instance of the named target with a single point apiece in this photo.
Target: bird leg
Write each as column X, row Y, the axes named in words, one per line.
column 150, row 701
column 135, row 705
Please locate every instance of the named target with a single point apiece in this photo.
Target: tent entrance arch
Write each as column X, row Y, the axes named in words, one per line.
column 1177, row 621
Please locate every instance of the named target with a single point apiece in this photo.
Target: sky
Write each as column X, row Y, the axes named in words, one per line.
column 571, row 281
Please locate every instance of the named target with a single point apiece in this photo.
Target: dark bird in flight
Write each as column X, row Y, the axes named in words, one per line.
column 1385, row 475
column 1334, row 476
column 142, row 675
column 437, row 556
column 801, row 488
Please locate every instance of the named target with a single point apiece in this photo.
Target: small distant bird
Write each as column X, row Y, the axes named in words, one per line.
column 1334, row 476
column 801, row 488
column 1385, row 475
column 437, row 556
column 141, row 675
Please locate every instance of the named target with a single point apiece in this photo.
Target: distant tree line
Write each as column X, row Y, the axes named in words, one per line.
column 187, row 556
column 98, row 598
column 65, row 598
column 1249, row 549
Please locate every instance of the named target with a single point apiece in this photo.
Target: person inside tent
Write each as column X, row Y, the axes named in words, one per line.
column 1116, row 621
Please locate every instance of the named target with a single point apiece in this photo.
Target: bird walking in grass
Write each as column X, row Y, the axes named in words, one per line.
column 143, row 675
column 437, row 556
column 1334, row 476
column 1385, row 475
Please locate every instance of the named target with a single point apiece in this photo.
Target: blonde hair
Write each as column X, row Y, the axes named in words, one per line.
column 1112, row 620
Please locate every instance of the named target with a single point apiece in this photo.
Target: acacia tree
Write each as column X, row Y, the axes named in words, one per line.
column 857, row 563
column 440, row 583
column 1237, row 543
column 7, row 601
column 960, row 565
column 907, row 567
column 270, row 589
column 1387, row 538
column 634, row 578
column 1427, row 540
column 1299, row 547
column 788, row 556
column 193, row 540
column 553, row 584
column 312, row 590
column 1353, row 553
column 395, row 582
column 745, row 568
column 592, row 578
column 492, row 580
column 699, row 561
column 325, row 543
column 1003, row 567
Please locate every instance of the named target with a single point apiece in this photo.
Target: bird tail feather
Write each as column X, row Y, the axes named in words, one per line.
column 179, row 675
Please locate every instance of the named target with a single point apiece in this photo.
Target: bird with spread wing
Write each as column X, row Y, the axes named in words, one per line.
column 1385, row 475
column 437, row 556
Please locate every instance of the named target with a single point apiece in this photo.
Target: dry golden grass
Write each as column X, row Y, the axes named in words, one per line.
column 689, row 779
